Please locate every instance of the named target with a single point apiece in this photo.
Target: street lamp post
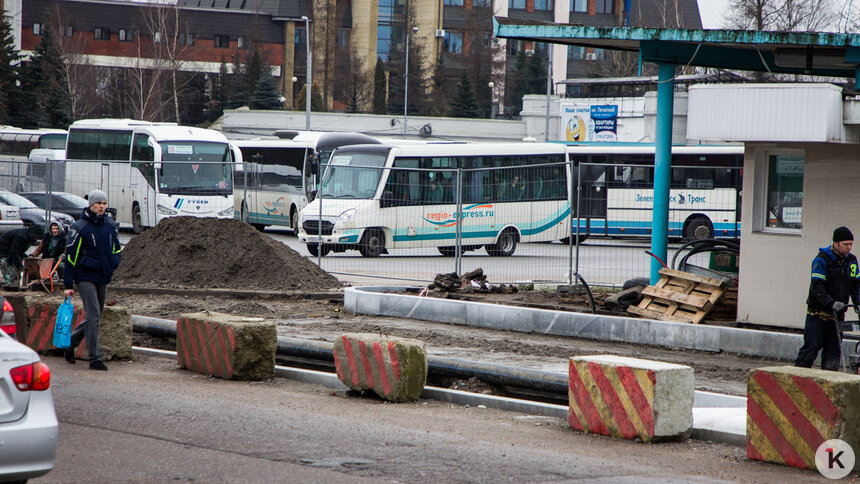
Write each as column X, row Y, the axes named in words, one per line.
column 293, row 93
column 308, row 75
column 406, row 82
column 491, row 85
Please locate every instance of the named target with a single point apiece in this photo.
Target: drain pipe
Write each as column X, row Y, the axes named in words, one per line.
column 437, row 366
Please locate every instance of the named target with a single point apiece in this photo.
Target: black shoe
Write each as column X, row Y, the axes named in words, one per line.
column 69, row 355
column 98, row 365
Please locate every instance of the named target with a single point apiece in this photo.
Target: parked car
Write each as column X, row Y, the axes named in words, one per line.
column 61, row 202
column 10, row 218
column 7, row 318
column 28, row 423
column 32, row 214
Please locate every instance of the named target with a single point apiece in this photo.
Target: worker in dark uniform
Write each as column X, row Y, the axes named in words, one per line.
column 13, row 250
column 835, row 278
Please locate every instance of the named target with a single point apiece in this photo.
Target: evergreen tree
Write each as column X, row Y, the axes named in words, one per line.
column 317, row 103
column 9, row 57
column 45, row 86
column 529, row 77
column 266, row 94
column 379, row 101
column 237, row 95
column 464, row 105
column 254, row 68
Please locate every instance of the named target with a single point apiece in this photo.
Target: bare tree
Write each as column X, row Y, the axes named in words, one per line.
column 169, row 40
column 353, row 85
column 783, row 15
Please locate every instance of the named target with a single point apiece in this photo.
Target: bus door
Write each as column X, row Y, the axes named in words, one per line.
column 406, row 213
column 592, row 197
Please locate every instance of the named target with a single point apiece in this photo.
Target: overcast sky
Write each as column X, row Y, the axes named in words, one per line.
column 712, row 13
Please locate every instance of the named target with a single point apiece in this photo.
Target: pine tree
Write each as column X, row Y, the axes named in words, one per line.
column 317, row 103
column 379, row 101
column 46, row 84
column 266, row 94
column 9, row 57
column 464, row 105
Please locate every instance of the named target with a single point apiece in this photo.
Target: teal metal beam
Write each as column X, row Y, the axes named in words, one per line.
column 662, row 167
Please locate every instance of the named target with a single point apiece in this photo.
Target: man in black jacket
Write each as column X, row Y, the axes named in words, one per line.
column 13, row 250
column 92, row 254
column 835, row 278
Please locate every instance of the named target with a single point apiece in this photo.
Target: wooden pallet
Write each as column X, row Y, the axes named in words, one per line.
column 680, row 296
column 726, row 309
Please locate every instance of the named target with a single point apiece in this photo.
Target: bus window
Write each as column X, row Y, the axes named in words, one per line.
column 90, row 145
column 122, row 146
column 141, row 150
column 107, row 141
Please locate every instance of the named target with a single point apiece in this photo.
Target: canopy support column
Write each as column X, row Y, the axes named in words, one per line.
column 662, row 167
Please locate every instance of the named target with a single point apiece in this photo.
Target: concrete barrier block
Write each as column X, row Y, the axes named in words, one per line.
column 394, row 368
column 35, row 317
column 791, row 411
column 630, row 398
column 227, row 346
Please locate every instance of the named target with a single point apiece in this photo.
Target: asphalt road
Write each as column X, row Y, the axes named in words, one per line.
column 147, row 421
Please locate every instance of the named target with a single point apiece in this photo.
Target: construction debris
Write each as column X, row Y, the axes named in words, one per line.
column 680, row 296
column 470, row 282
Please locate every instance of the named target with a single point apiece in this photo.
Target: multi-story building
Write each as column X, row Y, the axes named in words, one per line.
column 346, row 37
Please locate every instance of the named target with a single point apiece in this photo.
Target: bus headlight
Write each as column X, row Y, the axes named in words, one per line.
column 345, row 217
column 227, row 212
column 162, row 210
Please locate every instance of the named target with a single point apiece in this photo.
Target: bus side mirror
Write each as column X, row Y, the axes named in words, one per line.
column 312, row 166
column 313, row 195
column 387, row 200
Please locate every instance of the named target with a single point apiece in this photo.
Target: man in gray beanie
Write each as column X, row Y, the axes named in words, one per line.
column 835, row 278
column 92, row 254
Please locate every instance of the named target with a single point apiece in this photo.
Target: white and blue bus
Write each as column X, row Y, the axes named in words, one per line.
column 23, row 155
column 280, row 176
column 151, row 171
column 617, row 190
column 373, row 198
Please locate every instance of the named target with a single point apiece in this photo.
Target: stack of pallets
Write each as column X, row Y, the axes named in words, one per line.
column 680, row 296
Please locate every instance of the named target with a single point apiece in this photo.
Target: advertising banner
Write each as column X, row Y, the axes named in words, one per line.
column 589, row 122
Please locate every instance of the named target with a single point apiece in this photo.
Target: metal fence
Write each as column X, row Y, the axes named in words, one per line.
column 430, row 226
column 513, row 222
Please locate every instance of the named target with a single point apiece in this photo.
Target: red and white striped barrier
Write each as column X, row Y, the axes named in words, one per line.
column 393, row 368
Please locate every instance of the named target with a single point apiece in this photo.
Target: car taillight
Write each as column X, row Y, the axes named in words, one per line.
column 7, row 327
column 33, row 377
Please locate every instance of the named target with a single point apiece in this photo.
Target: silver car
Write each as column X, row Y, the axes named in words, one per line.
column 28, row 424
column 10, row 218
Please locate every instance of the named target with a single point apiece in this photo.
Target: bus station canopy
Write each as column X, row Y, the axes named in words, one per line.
column 812, row 53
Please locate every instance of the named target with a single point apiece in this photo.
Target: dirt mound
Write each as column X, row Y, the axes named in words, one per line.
column 189, row 252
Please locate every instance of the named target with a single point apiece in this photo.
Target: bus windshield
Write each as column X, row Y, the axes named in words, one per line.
column 345, row 176
column 201, row 168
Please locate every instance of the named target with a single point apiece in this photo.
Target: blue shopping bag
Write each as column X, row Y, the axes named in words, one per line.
column 63, row 324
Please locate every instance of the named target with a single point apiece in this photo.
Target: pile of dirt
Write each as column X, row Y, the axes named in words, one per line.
column 189, row 252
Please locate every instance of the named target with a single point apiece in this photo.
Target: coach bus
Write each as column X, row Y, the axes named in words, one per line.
column 151, row 171
column 280, row 176
column 374, row 198
column 617, row 190
column 18, row 171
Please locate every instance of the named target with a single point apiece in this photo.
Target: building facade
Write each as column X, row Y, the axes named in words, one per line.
column 346, row 38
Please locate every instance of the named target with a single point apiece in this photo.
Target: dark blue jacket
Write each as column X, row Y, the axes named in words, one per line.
column 833, row 279
column 92, row 250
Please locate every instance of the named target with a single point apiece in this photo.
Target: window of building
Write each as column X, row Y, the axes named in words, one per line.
column 66, row 31
column 482, row 3
column 240, row 42
column 604, row 6
column 300, row 37
column 186, row 39
column 101, row 33
column 341, row 38
column 783, row 204
column 575, row 52
column 543, row 4
column 383, row 41
column 515, row 46
column 453, row 43
column 37, row 29
column 517, row 4
column 222, row 41
column 579, row 6
column 454, row 3
column 157, row 37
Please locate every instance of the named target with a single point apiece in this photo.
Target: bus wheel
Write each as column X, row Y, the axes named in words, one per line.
column 312, row 248
column 294, row 221
column 504, row 246
column 698, row 228
column 136, row 220
column 579, row 239
column 372, row 244
column 447, row 251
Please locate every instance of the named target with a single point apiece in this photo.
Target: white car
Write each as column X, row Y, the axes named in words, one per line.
column 28, row 423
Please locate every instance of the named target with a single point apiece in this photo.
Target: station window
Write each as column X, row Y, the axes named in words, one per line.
column 778, row 197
